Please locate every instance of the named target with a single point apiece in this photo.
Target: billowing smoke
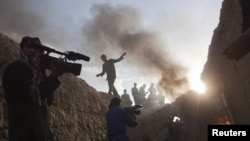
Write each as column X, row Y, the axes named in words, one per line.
column 111, row 30
column 17, row 17
column 116, row 29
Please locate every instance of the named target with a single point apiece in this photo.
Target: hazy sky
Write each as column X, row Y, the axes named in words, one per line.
column 166, row 41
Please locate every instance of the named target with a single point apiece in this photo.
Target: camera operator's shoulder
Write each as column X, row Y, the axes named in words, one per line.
column 118, row 109
column 17, row 66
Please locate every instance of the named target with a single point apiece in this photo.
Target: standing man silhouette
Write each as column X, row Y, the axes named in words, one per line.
column 126, row 99
column 135, row 93
column 108, row 67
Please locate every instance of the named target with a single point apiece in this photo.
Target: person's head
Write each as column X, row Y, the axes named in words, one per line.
column 135, row 84
column 29, row 46
column 152, row 84
column 103, row 57
column 125, row 91
column 115, row 101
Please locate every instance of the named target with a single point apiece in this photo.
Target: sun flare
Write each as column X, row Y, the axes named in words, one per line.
column 196, row 84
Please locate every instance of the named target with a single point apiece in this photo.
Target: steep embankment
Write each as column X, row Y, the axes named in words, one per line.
column 78, row 110
column 226, row 78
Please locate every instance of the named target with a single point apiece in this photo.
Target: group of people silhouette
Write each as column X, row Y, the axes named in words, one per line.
column 148, row 98
column 142, row 96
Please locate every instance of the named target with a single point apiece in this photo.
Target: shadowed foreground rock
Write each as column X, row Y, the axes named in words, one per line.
column 224, row 77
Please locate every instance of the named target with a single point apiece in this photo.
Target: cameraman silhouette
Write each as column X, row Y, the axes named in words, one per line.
column 117, row 119
column 28, row 92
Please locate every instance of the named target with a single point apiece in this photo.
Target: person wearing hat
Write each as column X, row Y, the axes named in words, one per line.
column 117, row 118
column 28, row 92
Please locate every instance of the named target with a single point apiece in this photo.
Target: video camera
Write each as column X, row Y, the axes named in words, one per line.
column 134, row 110
column 62, row 63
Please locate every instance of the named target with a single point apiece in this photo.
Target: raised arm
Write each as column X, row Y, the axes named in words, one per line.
column 120, row 58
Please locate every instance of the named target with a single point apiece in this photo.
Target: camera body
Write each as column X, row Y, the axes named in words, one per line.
column 48, row 61
column 134, row 110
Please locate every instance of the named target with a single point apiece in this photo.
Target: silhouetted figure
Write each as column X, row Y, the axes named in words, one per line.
column 174, row 125
column 117, row 119
column 152, row 89
column 152, row 100
column 126, row 101
column 142, row 95
column 135, row 93
column 160, row 99
column 28, row 93
column 109, row 68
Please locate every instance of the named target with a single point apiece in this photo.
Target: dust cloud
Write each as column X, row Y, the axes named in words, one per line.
column 116, row 29
column 110, row 29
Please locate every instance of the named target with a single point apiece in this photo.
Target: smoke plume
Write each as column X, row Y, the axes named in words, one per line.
column 110, row 30
column 119, row 29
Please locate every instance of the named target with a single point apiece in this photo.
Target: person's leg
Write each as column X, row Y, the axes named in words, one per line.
column 110, row 84
column 115, row 93
column 112, row 88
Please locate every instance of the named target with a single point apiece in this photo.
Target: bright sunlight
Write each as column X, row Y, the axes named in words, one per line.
column 196, row 84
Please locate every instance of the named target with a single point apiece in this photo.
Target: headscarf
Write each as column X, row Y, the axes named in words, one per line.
column 34, row 65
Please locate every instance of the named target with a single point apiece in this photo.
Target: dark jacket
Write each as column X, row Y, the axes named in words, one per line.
column 25, row 116
column 117, row 119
